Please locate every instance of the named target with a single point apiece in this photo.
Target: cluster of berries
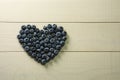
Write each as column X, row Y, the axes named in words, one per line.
column 42, row 45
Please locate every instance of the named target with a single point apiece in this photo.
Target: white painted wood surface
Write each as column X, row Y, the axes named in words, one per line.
column 92, row 51
column 60, row 10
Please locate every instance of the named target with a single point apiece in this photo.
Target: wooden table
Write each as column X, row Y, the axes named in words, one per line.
column 92, row 51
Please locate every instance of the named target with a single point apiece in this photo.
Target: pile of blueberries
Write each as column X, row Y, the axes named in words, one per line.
column 42, row 45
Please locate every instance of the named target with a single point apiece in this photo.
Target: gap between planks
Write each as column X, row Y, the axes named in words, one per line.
column 51, row 22
column 67, row 51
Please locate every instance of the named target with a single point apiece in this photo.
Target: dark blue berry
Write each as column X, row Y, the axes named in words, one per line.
column 64, row 33
column 51, row 49
column 54, row 26
column 39, row 55
column 19, row 36
column 60, row 29
column 27, row 48
column 26, row 40
column 62, row 43
column 58, row 47
column 56, row 52
column 33, row 55
column 52, row 40
column 31, row 30
column 23, row 27
column 21, row 40
column 46, row 49
column 58, row 34
column 49, row 26
column 21, row 31
column 43, row 61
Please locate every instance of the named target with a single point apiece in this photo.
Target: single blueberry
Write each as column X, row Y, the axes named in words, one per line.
column 46, row 49
column 21, row 31
column 58, row 47
column 64, row 33
column 23, row 27
column 43, row 61
column 51, row 49
column 33, row 55
column 19, row 36
column 39, row 55
column 28, row 26
column 54, row 26
column 60, row 28
column 56, row 52
column 31, row 30
column 58, row 34
column 27, row 48
column 62, row 43
column 21, row 40
column 49, row 26
column 26, row 40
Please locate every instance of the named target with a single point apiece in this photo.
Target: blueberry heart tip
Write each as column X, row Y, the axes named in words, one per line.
column 42, row 45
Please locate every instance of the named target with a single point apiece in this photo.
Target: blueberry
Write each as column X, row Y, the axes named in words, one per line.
column 49, row 36
column 29, row 36
column 51, row 49
column 24, row 44
column 33, row 55
column 49, row 45
column 46, row 32
column 41, row 47
column 41, row 42
column 51, row 30
column 52, row 40
column 31, row 30
column 37, row 30
column 64, row 33
column 30, row 53
column 26, row 40
column 33, row 27
column 39, row 34
column 21, row 31
column 52, row 56
column 41, row 31
column 49, row 26
column 45, row 28
column 49, row 53
column 58, row 47
column 34, row 34
column 60, row 29
column 39, row 59
column 19, row 36
column 53, row 34
column 64, row 38
column 57, row 42
column 39, row 55
column 37, row 42
column 56, row 52
column 43, row 36
column 28, row 26
column 32, row 48
column 23, row 35
column 21, row 40
column 26, row 31
column 46, row 49
column 54, row 26
column 54, row 45
column 43, row 61
column 46, row 40
column 38, row 50
column 47, row 58
column 58, row 34
column 27, row 48
column 23, row 27
column 37, row 45
column 45, row 45
column 44, row 56
column 62, row 43
column 29, row 44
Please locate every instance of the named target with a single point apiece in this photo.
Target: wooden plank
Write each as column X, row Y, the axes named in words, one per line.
column 60, row 10
column 81, row 37
column 66, row 66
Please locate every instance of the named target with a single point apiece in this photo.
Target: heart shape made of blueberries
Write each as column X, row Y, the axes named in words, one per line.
column 42, row 45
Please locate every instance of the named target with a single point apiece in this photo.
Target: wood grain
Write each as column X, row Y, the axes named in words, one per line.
column 60, row 10
column 81, row 37
column 66, row 66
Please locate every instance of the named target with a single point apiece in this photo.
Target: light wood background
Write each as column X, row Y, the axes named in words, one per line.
column 92, row 51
